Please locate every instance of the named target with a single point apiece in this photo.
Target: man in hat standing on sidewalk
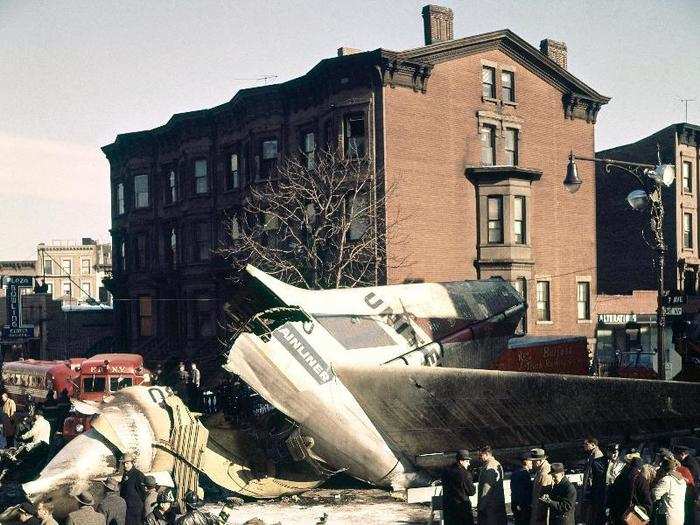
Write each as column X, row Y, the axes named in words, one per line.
column 457, row 486
column 86, row 514
column 163, row 514
column 491, row 506
column 561, row 500
column 541, row 485
column 194, row 516
column 132, row 490
column 521, row 492
column 112, row 505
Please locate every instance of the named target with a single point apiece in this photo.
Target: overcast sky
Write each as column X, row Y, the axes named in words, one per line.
column 74, row 74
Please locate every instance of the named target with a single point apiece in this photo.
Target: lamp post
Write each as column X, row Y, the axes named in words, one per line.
column 652, row 179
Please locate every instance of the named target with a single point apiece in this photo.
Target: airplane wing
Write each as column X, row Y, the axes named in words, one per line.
column 424, row 410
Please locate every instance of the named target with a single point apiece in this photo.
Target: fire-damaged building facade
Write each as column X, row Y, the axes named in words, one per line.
column 473, row 133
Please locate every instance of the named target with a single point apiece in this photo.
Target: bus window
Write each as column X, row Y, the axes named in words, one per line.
column 117, row 383
column 94, row 384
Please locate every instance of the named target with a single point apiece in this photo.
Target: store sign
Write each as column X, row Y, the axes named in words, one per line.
column 673, row 310
column 674, row 299
column 617, row 318
column 14, row 329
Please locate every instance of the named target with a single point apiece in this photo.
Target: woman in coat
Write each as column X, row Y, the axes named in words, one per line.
column 630, row 488
column 669, row 493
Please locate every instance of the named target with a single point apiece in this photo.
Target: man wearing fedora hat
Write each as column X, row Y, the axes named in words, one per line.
column 112, row 505
column 132, row 490
column 457, row 486
column 151, row 498
column 541, row 485
column 194, row 516
column 86, row 514
column 561, row 500
column 521, row 491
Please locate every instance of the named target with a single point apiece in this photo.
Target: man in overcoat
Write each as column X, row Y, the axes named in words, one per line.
column 113, row 506
column 491, row 505
column 457, row 486
column 561, row 500
column 132, row 490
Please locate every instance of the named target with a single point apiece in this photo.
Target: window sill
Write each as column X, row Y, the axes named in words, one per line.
column 544, row 322
column 142, row 208
column 584, row 321
column 689, row 193
column 511, row 103
column 489, row 99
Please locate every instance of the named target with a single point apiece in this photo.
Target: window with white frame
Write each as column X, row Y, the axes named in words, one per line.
column 85, row 266
column 488, row 82
column 687, row 172
column 543, row 301
column 519, row 220
column 120, row 198
column 85, row 291
column 687, row 230
column 171, row 188
column 488, row 145
column 308, row 150
column 67, row 266
column 233, row 180
column 495, row 218
column 511, row 146
column 508, row 86
column 583, row 300
column 66, row 288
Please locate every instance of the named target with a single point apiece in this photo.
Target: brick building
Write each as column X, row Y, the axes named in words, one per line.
column 625, row 261
column 474, row 133
column 74, row 271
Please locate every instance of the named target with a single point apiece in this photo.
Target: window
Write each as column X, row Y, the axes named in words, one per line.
column 519, row 219
column 172, row 245
column 140, row 252
column 271, row 224
column 520, row 286
column 235, row 229
column 85, row 266
column 687, row 176
column 120, row 198
column 511, row 147
column 122, row 255
column 85, row 291
column 330, row 136
column 171, row 188
column 202, row 325
column 117, row 383
column 583, row 300
column 543, row 310
column 308, row 150
column 201, row 242
column 359, row 217
column 507, row 86
column 67, row 266
column 201, row 177
column 488, row 145
column 48, row 267
column 145, row 316
column 233, row 181
column 488, row 82
column 141, row 191
column 687, row 230
column 94, row 384
column 495, row 215
column 354, row 136
column 268, row 159
column 49, row 288
column 65, row 288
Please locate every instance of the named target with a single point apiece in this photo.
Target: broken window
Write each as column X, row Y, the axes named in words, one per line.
column 354, row 136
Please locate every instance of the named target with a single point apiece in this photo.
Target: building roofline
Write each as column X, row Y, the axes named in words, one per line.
column 418, row 61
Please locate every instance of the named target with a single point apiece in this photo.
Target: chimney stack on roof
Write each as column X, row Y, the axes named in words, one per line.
column 437, row 24
column 554, row 50
column 345, row 51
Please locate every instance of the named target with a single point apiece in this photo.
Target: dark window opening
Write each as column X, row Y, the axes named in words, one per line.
column 94, row 384
column 145, row 316
column 354, row 136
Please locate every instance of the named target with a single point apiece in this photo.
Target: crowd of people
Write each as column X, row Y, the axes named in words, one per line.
column 616, row 490
column 135, row 499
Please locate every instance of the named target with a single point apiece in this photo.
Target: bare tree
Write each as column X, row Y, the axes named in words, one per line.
column 318, row 222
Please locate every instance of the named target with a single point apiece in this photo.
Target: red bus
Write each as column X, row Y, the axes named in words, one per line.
column 31, row 380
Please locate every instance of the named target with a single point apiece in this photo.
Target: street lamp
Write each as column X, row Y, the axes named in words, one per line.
column 652, row 179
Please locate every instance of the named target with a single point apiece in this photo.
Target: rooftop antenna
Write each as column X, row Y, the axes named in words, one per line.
column 686, row 100
column 267, row 77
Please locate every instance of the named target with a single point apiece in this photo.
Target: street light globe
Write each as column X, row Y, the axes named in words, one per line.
column 664, row 174
column 572, row 182
column 638, row 199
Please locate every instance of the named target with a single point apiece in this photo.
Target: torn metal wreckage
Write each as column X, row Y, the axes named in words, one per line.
column 368, row 381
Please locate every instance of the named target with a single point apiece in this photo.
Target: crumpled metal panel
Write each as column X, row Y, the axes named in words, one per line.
column 422, row 410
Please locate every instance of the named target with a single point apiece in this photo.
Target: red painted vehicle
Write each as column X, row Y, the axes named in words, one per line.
column 99, row 377
column 33, row 381
column 546, row 354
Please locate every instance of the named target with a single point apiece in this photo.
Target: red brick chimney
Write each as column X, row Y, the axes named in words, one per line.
column 554, row 50
column 437, row 24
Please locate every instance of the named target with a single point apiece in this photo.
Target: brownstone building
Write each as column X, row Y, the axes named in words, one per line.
column 625, row 261
column 473, row 132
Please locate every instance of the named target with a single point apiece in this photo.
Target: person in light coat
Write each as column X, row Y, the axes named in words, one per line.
column 542, row 485
column 669, row 493
column 491, row 502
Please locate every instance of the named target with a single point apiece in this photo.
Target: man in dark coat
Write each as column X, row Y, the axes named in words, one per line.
column 457, row 486
column 562, row 498
column 112, row 505
column 86, row 514
column 683, row 454
column 194, row 516
column 629, row 489
column 163, row 513
column 521, row 492
column 132, row 490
